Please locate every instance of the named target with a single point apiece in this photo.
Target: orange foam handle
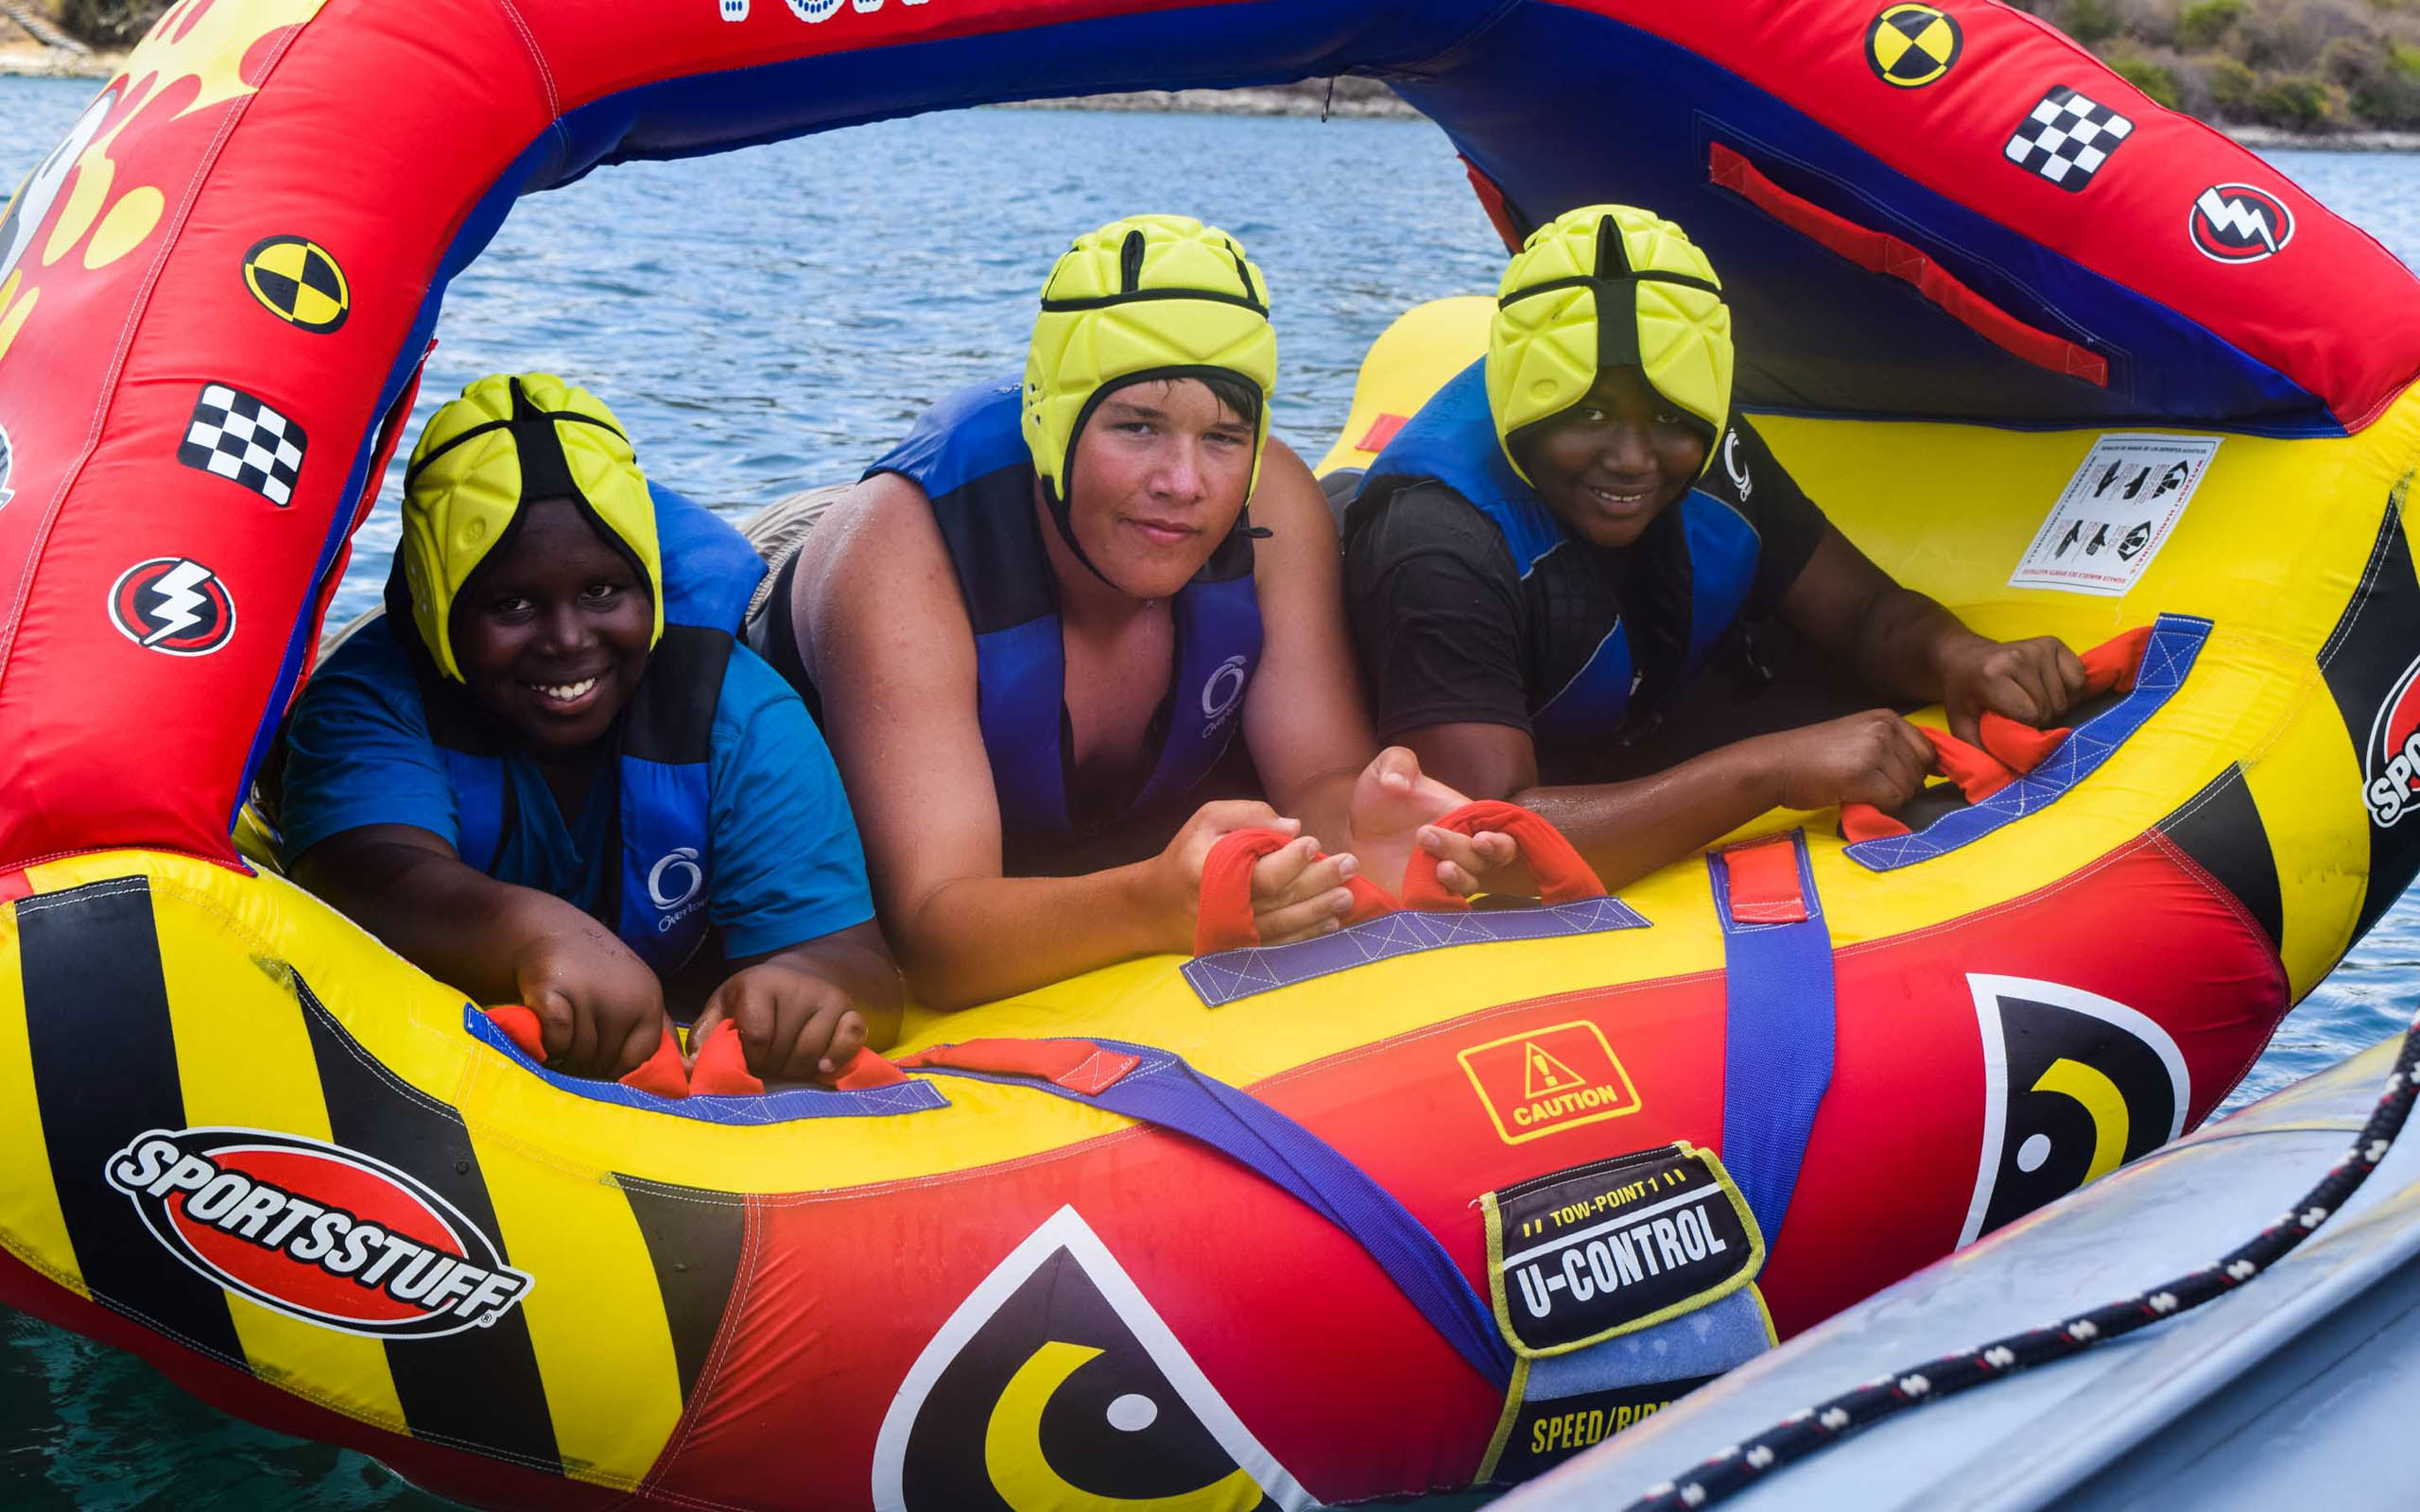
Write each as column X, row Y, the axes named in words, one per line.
column 1764, row 883
column 2112, row 665
column 2017, row 747
column 662, row 1072
column 2109, row 667
column 520, row 1025
column 1562, row 875
column 1977, row 773
column 867, row 1069
column 720, row 1069
column 1863, row 821
column 1222, row 919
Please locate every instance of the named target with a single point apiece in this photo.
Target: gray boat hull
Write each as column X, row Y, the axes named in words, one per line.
column 2302, row 1390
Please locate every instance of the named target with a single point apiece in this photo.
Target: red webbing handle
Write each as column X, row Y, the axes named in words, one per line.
column 2109, row 667
column 1222, row 920
column 720, row 1069
column 2009, row 748
column 1562, row 875
column 660, row 1073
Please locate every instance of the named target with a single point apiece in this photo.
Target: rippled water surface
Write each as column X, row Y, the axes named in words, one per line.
column 768, row 320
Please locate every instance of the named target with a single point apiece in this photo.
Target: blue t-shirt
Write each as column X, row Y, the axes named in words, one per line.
column 787, row 865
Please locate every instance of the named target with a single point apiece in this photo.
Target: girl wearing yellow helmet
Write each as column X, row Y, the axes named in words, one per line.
column 549, row 777
column 1565, row 535
column 1040, row 620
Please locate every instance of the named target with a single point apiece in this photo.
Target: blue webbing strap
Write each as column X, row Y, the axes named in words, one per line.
column 1776, row 1041
column 1166, row 1094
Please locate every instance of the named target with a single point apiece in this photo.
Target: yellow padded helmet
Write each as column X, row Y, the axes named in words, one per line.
column 508, row 441
column 1600, row 287
column 1146, row 297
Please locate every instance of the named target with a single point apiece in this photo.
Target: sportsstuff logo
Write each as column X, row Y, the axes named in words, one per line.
column 2391, row 765
column 317, row 1232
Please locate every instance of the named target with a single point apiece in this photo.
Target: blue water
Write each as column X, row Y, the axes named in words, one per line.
column 767, row 320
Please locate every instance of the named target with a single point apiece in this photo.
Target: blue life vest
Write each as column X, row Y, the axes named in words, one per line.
column 1452, row 440
column 657, row 904
column 968, row 453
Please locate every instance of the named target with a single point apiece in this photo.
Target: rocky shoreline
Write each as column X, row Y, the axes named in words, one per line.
column 1345, row 98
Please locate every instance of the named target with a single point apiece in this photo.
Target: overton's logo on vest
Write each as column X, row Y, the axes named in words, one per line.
column 673, row 884
column 1056, row 1385
column 2074, row 1086
column 315, row 1231
column 1734, row 468
column 1223, row 690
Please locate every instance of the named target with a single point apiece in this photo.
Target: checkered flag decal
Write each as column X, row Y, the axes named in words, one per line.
column 241, row 439
column 2068, row 138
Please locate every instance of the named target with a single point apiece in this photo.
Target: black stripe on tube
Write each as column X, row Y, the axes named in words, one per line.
column 105, row 1071
column 2220, row 828
column 478, row 1389
column 694, row 1237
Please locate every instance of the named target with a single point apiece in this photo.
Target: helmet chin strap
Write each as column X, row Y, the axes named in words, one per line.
column 1061, row 517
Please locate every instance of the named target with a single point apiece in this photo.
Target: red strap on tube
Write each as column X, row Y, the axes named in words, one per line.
column 721, row 1068
column 2009, row 748
column 1222, row 919
column 660, row 1073
column 1560, row 872
column 1763, row 875
column 1977, row 773
column 2019, row 748
column 1078, row 1065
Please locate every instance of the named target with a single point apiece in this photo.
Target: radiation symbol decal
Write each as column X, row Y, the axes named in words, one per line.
column 1055, row 1388
column 298, row 281
column 2075, row 1086
column 1909, row 45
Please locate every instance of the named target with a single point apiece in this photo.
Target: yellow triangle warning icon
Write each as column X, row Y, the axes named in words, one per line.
column 1544, row 1073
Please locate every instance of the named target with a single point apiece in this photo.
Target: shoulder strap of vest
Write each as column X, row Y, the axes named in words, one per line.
column 710, row 571
column 1452, row 440
column 663, row 881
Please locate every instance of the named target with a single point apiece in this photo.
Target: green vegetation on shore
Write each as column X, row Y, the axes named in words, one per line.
column 2302, row 66
column 2315, row 67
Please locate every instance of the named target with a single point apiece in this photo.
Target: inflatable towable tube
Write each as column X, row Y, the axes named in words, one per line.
column 1429, row 1203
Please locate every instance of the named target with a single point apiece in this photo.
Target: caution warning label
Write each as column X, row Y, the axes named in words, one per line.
column 1547, row 1080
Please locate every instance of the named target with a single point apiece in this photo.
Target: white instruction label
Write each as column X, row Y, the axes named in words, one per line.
column 2116, row 513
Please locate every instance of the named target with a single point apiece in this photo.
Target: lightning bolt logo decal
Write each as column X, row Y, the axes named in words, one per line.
column 172, row 605
column 2238, row 223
